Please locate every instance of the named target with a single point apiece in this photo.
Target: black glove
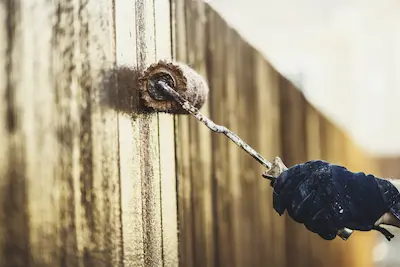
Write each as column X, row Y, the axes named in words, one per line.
column 326, row 198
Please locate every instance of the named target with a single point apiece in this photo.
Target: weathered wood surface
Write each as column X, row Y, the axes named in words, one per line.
column 86, row 179
column 83, row 175
column 226, row 215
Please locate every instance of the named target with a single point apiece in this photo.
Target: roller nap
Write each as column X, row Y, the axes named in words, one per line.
column 184, row 80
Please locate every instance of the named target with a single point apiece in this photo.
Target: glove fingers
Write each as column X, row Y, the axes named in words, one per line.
column 284, row 186
column 302, row 198
column 279, row 203
column 303, row 206
column 327, row 235
column 288, row 180
column 322, row 224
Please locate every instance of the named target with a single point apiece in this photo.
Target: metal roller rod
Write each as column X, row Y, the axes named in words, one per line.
column 210, row 124
column 344, row 233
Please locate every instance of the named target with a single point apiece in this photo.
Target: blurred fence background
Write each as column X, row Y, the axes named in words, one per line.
column 225, row 211
column 87, row 180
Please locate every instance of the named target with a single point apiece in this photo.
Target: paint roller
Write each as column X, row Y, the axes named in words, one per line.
column 175, row 88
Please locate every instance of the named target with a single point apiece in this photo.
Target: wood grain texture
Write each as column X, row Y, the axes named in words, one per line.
column 129, row 135
column 200, row 140
column 293, row 112
column 149, row 142
column 4, row 106
column 166, row 131
column 88, row 179
column 183, row 164
column 80, row 171
column 248, row 96
column 215, row 56
column 15, row 243
column 268, row 121
column 233, row 153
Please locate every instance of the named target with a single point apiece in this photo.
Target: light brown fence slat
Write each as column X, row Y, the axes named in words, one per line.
column 216, row 65
column 267, row 108
column 5, row 58
column 293, row 108
column 129, row 135
column 185, row 211
column 269, row 113
column 99, row 146
column 62, row 166
column 69, row 147
column 88, row 179
column 200, row 144
column 232, row 173
column 149, row 148
column 167, row 145
column 15, row 241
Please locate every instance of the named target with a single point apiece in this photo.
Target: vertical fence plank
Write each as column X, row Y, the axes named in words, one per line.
column 149, row 147
column 130, row 142
column 14, row 217
column 200, row 143
column 59, row 188
column 264, row 121
column 182, row 132
column 64, row 41
column 233, row 152
column 246, row 88
column 313, row 143
column 216, row 65
column 247, row 164
column 104, row 129
column 98, row 223
column 60, row 155
column 272, row 230
column 206, row 224
column 167, row 145
column 294, row 152
column 4, row 104
column 40, row 128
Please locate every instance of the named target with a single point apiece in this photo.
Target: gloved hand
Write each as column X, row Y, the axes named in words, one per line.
column 326, row 198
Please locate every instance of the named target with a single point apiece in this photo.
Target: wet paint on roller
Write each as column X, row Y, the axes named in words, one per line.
column 185, row 81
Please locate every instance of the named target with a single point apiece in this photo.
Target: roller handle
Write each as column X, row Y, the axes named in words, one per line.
column 276, row 169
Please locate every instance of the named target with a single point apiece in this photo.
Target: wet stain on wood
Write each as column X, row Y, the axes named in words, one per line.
column 60, row 173
column 12, row 9
column 88, row 179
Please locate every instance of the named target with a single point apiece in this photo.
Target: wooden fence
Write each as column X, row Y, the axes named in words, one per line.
column 225, row 211
column 88, row 180
column 82, row 179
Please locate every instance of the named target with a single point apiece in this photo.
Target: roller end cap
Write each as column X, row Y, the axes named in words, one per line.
column 184, row 80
